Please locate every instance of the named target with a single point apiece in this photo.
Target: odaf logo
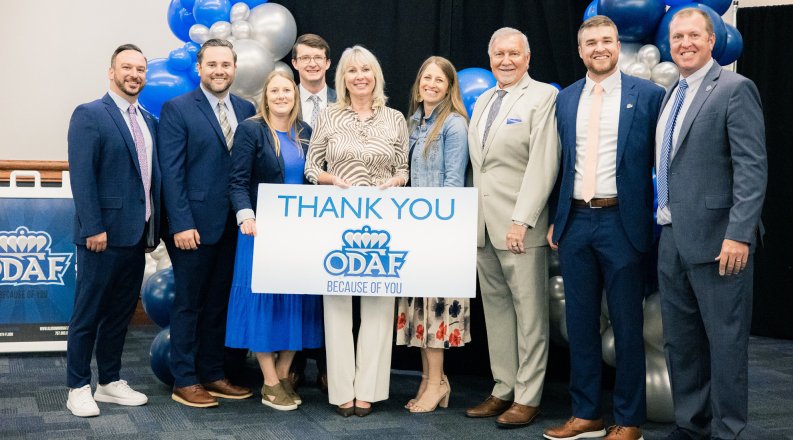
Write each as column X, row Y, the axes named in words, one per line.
column 26, row 258
column 365, row 254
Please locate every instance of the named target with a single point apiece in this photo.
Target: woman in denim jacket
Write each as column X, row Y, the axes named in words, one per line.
column 438, row 157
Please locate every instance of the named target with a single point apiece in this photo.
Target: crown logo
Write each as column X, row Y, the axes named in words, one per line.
column 365, row 253
column 24, row 241
column 365, row 239
column 26, row 258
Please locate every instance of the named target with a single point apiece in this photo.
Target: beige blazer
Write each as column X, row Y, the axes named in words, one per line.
column 516, row 170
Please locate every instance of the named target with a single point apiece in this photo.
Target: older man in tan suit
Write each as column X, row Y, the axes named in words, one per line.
column 515, row 156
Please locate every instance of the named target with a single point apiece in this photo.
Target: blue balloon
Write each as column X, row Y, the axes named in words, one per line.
column 252, row 3
column 179, row 59
column 193, row 74
column 673, row 3
column 192, row 48
column 473, row 82
column 178, row 27
column 733, row 48
column 160, row 356
column 720, row 6
column 591, row 10
column 162, row 84
column 719, row 29
column 558, row 87
column 188, row 4
column 207, row 12
column 157, row 296
column 636, row 19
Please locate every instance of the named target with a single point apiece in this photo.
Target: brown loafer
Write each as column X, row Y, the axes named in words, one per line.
column 575, row 428
column 492, row 406
column 225, row 389
column 517, row 415
column 194, row 395
column 617, row 432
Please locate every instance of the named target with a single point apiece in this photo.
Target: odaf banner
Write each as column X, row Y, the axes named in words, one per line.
column 365, row 241
column 37, row 268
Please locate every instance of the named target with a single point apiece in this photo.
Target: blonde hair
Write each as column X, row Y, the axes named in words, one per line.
column 362, row 56
column 451, row 103
column 293, row 114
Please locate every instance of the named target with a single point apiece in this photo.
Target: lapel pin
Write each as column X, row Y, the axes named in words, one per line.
column 629, row 106
column 707, row 89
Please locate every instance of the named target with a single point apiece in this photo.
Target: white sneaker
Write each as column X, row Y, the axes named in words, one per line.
column 119, row 392
column 80, row 402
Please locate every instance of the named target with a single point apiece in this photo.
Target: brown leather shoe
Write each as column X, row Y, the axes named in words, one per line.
column 575, row 428
column 492, row 406
column 194, row 395
column 225, row 389
column 517, row 415
column 618, row 432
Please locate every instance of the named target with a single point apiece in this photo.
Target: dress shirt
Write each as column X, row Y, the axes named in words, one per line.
column 307, row 106
column 504, row 107
column 213, row 102
column 124, row 105
column 605, row 177
column 664, row 216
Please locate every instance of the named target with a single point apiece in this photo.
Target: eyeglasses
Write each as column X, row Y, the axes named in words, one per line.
column 305, row 59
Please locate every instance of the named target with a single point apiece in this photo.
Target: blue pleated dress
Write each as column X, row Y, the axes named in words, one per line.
column 266, row 322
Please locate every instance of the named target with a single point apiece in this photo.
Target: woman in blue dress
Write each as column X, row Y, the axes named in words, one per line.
column 269, row 148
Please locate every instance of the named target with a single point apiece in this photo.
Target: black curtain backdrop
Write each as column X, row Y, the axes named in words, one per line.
column 766, row 60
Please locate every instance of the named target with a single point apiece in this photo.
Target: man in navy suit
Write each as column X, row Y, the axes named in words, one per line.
column 196, row 132
column 115, row 180
column 712, row 173
column 603, row 228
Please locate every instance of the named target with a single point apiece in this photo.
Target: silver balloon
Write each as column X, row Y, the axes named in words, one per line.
column 605, row 324
column 164, row 262
column 556, row 319
column 659, row 390
column 653, row 327
column 628, row 54
column 254, row 63
column 554, row 268
column 638, row 69
column 159, row 252
column 665, row 74
column 149, row 269
column 199, row 33
column 608, row 348
column 649, row 55
column 241, row 30
column 283, row 67
column 556, row 287
column 604, row 305
column 239, row 12
column 220, row 29
column 274, row 26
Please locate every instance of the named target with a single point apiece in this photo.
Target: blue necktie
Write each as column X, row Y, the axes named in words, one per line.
column 666, row 145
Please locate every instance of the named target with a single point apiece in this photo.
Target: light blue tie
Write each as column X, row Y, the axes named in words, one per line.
column 666, row 146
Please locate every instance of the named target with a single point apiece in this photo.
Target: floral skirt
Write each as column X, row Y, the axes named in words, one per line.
column 433, row 322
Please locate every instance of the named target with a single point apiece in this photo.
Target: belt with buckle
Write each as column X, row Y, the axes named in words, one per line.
column 597, row 203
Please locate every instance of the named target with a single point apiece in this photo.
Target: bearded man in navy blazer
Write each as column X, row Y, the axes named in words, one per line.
column 712, row 174
column 603, row 228
column 115, row 180
column 196, row 132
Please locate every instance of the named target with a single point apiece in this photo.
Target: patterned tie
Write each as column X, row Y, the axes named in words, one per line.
column 224, row 124
column 493, row 113
column 666, row 145
column 592, row 143
column 315, row 110
column 140, row 147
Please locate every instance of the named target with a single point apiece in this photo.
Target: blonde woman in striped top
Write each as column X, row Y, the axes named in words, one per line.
column 358, row 141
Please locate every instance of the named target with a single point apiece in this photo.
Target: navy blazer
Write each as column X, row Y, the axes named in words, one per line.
column 253, row 161
column 105, row 175
column 196, row 164
column 640, row 105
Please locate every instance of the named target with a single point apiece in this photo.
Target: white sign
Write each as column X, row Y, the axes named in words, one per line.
column 365, row 241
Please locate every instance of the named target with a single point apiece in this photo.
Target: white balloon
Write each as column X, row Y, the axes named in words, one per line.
column 665, row 74
column 283, row 67
column 273, row 26
column 239, row 12
column 159, row 252
column 164, row 262
column 254, row 63
column 149, row 269
column 638, row 69
column 199, row 33
column 649, row 55
column 241, row 29
column 220, row 29
column 628, row 53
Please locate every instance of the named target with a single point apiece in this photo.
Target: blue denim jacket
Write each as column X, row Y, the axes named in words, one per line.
column 448, row 156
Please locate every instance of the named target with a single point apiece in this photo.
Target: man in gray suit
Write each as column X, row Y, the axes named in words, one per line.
column 712, row 171
column 514, row 149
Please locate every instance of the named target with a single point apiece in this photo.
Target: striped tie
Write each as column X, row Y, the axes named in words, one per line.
column 491, row 116
column 224, row 124
column 666, row 145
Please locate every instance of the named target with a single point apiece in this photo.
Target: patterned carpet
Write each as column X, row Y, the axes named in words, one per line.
column 33, row 396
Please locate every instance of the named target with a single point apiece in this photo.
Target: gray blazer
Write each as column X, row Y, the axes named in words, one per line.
column 717, row 178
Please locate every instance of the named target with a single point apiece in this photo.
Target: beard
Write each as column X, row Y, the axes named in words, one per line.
column 217, row 88
column 126, row 88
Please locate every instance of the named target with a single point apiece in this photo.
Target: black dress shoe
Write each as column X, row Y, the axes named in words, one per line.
column 679, row 434
column 346, row 412
column 362, row 412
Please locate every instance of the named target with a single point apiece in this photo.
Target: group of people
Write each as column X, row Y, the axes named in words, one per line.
column 571, row 171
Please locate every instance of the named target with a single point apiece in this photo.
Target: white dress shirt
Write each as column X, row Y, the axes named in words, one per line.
column 606, row 174
column 664, row 216
column 124, row 105
column 213, row 101
column 307, row 106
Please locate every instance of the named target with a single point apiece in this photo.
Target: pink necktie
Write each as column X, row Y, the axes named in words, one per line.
column 592, row 142
column 140, row 147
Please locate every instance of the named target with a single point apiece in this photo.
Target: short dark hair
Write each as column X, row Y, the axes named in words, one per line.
column 122, row 48
column 596, row 21
column 215, row 42
column 311, row 40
